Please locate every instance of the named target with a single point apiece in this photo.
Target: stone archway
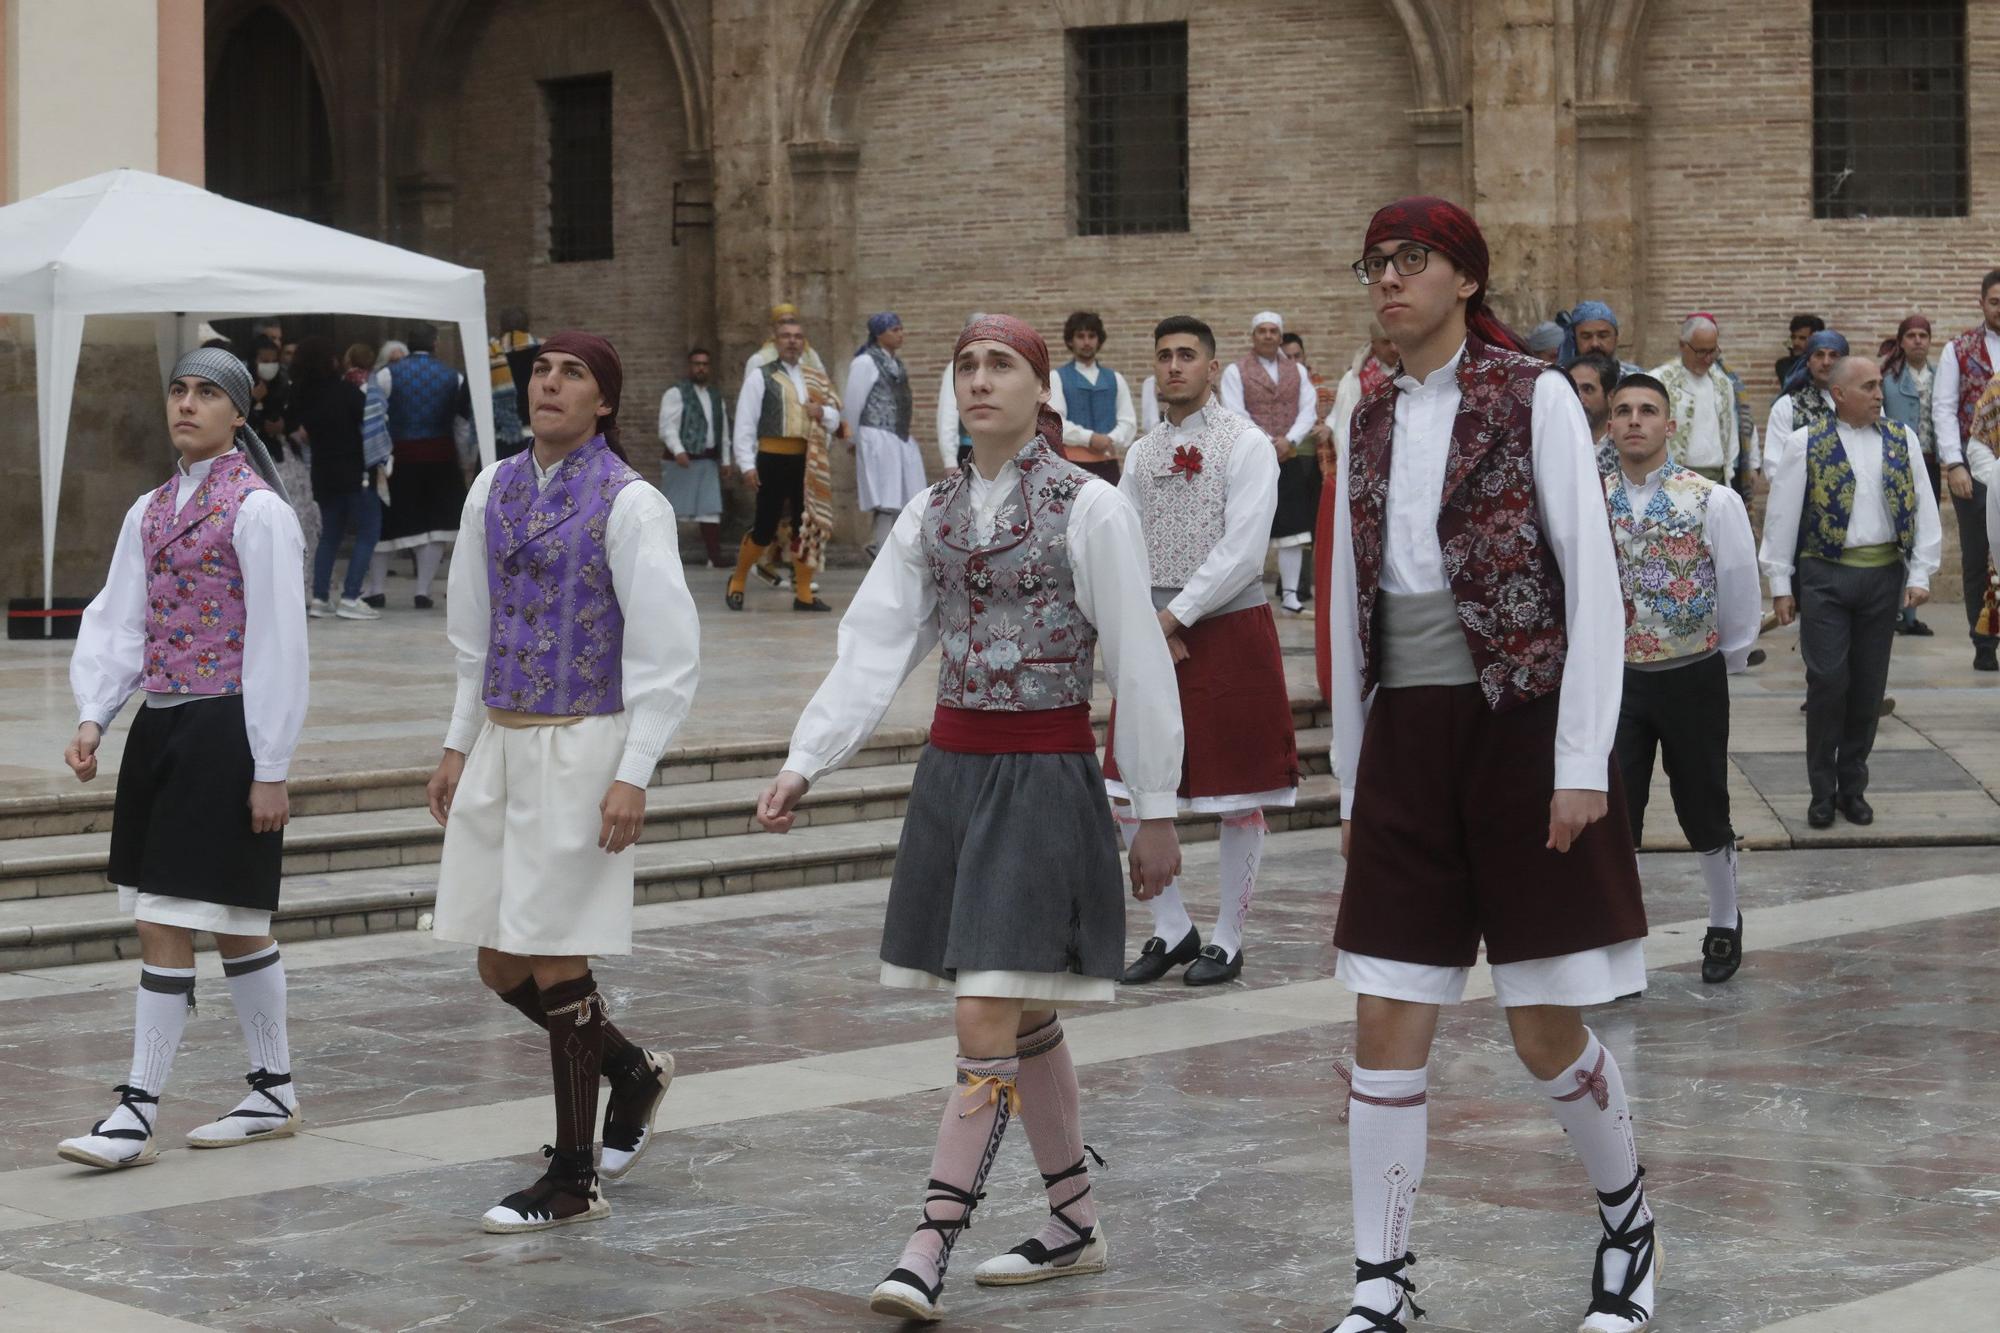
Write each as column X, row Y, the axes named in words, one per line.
column 268, row 125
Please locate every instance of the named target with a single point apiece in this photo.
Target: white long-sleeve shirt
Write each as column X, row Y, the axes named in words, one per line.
column 750, row 408
column 1952, row 447
column 1122, row 433
column 947, row 414
column 270, row 549
column 1739, row 599
column 1231, row 393
column 672, row 406
column 1252, row 498
column 1869, row 523
column 861, row 378
column 1779, row 430
column 660, row 661
column 1149, row 404
column 1569, row 500
column 891, row 626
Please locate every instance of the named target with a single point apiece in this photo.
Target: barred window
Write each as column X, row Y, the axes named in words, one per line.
column 1889, row 114
column 1129, row 128
column 579, row 168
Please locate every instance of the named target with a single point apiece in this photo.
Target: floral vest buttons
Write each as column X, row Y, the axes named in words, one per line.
column 1012, row 636
column 1829, row 505
column 1182, row 490
column 557, row 634
column 194, row 585
column 1665, row 567
column 1499, row 566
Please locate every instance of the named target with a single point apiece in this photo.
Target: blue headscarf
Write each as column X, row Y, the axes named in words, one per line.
column 1802, row 373
column 877, row 326
column 1584, row 313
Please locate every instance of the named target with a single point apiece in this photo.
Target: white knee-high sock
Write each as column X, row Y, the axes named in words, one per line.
column 1242, row 848
column 429, row 556
column 1718, row 872
column 378, row 574
column 885, row 523
column 1589, row 1102
column 159, row 1019
column 1388, row 1128
column 257, row 986
column 1291, row 560
column 1171, row 921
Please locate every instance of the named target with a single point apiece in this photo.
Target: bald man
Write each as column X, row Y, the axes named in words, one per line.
column 1850, row 538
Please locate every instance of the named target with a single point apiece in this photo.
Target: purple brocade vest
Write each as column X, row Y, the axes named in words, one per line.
column 194, row 585
column 557, row 631
column 1012, row 636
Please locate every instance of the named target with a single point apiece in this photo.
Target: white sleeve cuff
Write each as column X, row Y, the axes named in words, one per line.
column 270, row 772
column 1582, row 772
column 1155, row 804
column 808, row 766
column 1781, row 585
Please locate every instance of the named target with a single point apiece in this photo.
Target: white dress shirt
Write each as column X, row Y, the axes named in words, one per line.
column 1869, row 524
column 1569, row 500
column 1779, row 430
column 1739, row 598
column 1951, row 446
column 750, row 407
column 1122, row 433
column 947, row 414
column 270, row 550
column 671, row 407
column 1251, row 499
column 1704, row 447
column 891, row 627
column 1149, row 404
column 1231, row 393
column 660, row 662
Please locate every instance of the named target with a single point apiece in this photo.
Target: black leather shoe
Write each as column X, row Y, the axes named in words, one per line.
column 1856, row 809
column 1722, row 952
column 1918, row 629
column 1820, row 813
column 378, row 600
column 733, row 600
column 424, row 603
column 1755, row 659
column 814, row 605
column 1887, row 707
column 1984, row 658
column 1156, row 959
column 1213, row 967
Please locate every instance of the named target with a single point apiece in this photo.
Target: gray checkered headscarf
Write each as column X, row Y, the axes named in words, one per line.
column 226, row 371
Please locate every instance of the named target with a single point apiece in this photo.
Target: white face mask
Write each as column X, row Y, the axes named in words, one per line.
column 267, row 370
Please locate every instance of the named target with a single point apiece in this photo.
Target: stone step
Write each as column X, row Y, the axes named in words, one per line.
column 60, row 864
column 88, row 927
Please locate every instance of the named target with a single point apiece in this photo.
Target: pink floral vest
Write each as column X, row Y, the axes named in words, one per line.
column 194, row 586
column 1496, row 559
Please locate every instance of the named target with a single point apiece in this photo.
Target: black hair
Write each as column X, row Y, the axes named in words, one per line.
column 1606, row 366
column 1291, row 338
column 1083, row 321
column 1641, row 380
column 1186, row 324
column 422, row 338
column 1986, row 283
column 1813, row 323
column 694, row 352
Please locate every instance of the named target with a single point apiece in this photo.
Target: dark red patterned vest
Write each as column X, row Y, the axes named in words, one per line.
column 1973, row 373
column 1496, row 558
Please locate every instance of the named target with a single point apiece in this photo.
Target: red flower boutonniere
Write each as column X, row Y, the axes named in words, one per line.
column 1187, row 461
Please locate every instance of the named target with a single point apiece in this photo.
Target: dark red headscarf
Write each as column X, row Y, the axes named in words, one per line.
column 1021, row 336
column 1893, row 359
column 605, row 368
column 1449, row 230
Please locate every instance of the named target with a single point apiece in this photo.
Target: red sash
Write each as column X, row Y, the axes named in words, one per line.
column 1035, row 731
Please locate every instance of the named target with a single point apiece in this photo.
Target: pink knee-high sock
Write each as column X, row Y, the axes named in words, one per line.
column 1054, row 1121
column 1588, row 1100
column 976, row 1112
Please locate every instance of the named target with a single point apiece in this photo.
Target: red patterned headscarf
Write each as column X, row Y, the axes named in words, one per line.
column 1449, row 230
column 1021, row 336
column 605, row 368
column 1893, row 357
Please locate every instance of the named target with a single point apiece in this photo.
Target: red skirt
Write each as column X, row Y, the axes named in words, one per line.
column 1236, row 713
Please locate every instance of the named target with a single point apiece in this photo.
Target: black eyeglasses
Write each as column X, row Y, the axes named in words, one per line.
column 1409, row 261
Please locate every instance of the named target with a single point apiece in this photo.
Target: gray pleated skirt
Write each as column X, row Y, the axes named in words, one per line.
column 1008, row 863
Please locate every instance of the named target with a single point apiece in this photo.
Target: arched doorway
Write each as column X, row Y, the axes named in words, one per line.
column 269, row 141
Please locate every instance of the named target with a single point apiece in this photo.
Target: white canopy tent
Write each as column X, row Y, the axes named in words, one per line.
column 128, row 242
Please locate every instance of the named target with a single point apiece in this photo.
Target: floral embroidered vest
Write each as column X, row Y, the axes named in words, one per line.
column 1181, row 491
column 1499, row 565
column 1974, row 371
column 1680, row 388
column 1665, row 567
column 556, row 633
column 1012, row 636
column 194, row 585
column 1829, row 503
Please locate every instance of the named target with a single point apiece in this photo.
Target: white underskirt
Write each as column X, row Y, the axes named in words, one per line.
column 1282, row 799
column 1296, row 539
column 1052, row 987
column 164, row 910
column 1573, row 980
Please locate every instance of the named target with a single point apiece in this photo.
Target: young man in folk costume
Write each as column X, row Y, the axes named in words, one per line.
column 1099, row 423
column 1205, row 483
column 889, row 467
column 1963, row 373
column 1688, row 565
column 578, row 650
column 202, row 612
column 1477, row 658
column 1273, row 391
column 1806, row 399
column 1007, row 886
column 694, row 431
column 786, row 413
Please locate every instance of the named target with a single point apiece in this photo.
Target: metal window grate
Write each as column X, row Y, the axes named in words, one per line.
column 1889, row 113
column 579, row 168
column 1131, row 128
